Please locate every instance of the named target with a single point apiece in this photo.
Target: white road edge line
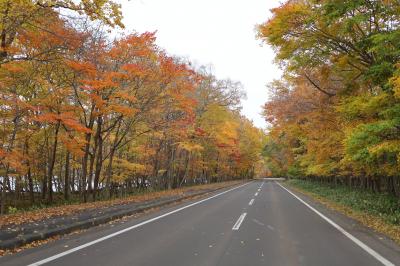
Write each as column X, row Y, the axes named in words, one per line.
column 358, row 242
column 62, row 254
column 251, row 202
column 239, row 221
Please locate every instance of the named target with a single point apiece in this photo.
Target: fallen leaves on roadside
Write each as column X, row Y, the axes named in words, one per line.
column 46, row 213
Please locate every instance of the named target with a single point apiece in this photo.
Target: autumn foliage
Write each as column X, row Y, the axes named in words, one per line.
column 87, row 116
column 335, row 115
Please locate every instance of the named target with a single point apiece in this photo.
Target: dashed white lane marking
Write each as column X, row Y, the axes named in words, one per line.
column 259, row 190
column 62, row 254
column 256, row 194
column 358, row 242
column 239, row 221
column 258, row 222
column 251, row 202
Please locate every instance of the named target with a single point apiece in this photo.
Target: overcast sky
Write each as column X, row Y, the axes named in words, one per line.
column 220, row 33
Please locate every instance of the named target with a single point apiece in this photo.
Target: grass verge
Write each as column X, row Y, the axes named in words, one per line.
column 379, row 212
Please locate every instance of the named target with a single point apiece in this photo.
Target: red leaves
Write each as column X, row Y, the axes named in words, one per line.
column 200, row 132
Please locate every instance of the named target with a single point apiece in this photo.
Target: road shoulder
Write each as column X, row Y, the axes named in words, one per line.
column 15, row 237
column 379, row 242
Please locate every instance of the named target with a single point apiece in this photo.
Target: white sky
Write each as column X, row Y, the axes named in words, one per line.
column 220, row 33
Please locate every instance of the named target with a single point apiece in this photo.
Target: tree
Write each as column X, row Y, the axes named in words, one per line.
column 335, row 113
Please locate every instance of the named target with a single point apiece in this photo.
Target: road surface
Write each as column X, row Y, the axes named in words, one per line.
column 258, row 223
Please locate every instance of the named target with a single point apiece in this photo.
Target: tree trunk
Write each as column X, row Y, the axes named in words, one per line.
column 30, row 184
column 5, row 177
column 51, row 164
column 99, row 158
column 66, row 177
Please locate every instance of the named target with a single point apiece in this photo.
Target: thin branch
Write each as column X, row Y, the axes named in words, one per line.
column 318, row 87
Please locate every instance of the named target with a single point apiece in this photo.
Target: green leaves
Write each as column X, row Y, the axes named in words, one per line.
column 349, row 49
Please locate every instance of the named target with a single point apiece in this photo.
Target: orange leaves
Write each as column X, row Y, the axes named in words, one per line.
column 123, row 110
column 15, row 160
column 73, row 144
column 73, row 124
column 87, row 102
column 134, row 45
column 124, row 96
column 134, row 70
column 47, row 118
column 97, row 85
column 86, row 68
column 66, row 119
column 3, row 153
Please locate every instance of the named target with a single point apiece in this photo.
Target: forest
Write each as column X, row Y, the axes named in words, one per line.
column 334, row 117
column 89, row 114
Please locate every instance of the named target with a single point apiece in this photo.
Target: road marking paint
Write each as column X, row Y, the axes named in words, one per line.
column 62, row 254
column 258, row 222
column 358, row 242
column 239, row 221
column 259, row 190
column 251, row 202
column 256, row 194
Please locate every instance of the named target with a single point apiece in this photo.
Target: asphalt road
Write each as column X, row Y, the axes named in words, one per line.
column 259, row 223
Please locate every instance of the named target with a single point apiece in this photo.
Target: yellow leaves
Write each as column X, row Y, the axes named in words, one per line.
column 124, row 169
column 395, row 81
column 129, row 166
column 343, row 61
column 287, row 22
column 364, row 105
column 392, row 146
column 190, row 147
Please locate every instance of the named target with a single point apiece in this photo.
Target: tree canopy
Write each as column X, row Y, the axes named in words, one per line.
column 88, row 116
column 335, row 113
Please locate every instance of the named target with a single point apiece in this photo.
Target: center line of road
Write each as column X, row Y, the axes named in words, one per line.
column 62, row 254
column 251, row 202
column 239, row 221
column 358, row 242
